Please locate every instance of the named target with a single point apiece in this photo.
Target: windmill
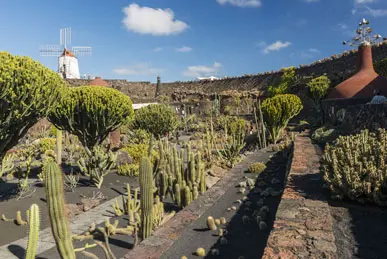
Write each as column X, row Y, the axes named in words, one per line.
column 67, row 59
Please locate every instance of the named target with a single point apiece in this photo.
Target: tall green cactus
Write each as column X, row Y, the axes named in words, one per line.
column 146, row 189
column 55, row 201
column 33, row 236
column 59, row 146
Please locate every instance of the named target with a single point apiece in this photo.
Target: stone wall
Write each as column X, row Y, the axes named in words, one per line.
column 337, row 67
column 303, row 223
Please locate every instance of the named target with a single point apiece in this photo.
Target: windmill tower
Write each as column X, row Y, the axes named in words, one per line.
column 67, row 59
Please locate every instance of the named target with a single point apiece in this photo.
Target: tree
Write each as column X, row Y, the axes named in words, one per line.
column 277, row 111
column 317, row 89
column 288, row 79
column 91, row 113
column 157, row 119
column 28, row 92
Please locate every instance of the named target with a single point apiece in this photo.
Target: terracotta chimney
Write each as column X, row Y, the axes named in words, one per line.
column 364, row 82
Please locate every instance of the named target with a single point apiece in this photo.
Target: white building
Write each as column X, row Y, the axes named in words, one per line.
column 68, row 65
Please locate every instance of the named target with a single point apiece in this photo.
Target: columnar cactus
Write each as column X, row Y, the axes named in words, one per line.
column 56, row 208
column 146, row 189
column 33, row 235
column 59, row 146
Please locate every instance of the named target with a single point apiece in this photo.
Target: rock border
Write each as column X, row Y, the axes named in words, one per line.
column 303, row 227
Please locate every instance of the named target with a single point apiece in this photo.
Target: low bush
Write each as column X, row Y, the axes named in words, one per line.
column 46, row 144
column 277, row 112
column 128, row 169
column 157, row 119
column 356, row 167
column 325, row 134
column 136, row 152
column 257, row 168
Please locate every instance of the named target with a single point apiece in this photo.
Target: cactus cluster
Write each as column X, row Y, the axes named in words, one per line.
column 356, row 167
column 180, row 174
column 97, row 164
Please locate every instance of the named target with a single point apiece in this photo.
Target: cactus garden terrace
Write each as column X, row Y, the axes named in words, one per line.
column 293, row 167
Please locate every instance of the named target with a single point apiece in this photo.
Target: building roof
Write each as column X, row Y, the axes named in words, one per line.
column 67, row 53
column 99, row 81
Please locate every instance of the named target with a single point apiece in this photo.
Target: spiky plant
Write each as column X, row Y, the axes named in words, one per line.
column 56, row 208
column 146, row 189
column 33, row 235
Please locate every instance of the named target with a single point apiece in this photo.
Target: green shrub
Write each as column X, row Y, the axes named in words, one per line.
column 288, row 79
column 157, row 119
column 128, row 169
column 381, row 67
column 257, row 168
column 317, row 89
column 356, row 167
column 91, row 113
column 139, row 136
column 277, row 111
column 46, row 144
column 325, row 134
column 28, row 92
column 233, row 125
column 136, row 152
column 52, row 131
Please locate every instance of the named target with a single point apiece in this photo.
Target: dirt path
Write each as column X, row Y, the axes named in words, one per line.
column 243, row 235
column 360, row 230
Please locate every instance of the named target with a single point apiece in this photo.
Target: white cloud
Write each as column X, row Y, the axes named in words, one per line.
column 311, row 1
column 158, row 49
column 376, row 12
column 200, row 71
column 310, row 53
column 184, row 49
column 364, row 1
column 142, row 69
column 241, row 3
column 146, row 20
column 276, row 46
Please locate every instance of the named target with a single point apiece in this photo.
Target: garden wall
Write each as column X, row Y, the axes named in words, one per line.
column 337, row 67
column 303, row 224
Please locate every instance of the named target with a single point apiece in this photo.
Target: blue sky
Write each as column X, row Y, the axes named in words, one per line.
column 183, row 39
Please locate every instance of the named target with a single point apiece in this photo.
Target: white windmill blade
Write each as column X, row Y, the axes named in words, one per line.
column 51, row 50
column 82, row 50
column 65, row 36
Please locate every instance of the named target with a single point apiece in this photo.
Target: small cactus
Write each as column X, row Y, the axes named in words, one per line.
column 211, row 223
column 220, row 232
column 200, row 252
column 217, row 222
column 262, row 225
column 223, row 241
column 223, row 220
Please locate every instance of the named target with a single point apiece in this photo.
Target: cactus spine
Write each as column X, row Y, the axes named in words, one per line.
column 146, row 189
column 59, row 146
column 55, row 202
column 33, row 236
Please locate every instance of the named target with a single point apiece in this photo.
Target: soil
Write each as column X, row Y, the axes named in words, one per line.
column 243, row 235
column 113, row 186
column 360, row 230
